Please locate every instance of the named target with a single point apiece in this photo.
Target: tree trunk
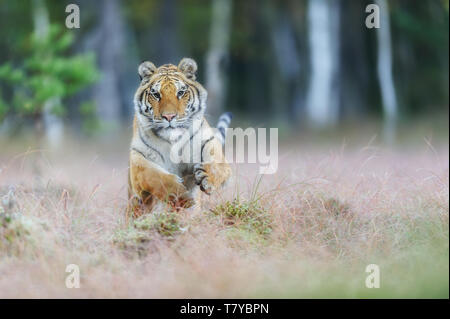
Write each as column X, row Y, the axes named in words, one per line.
column 167, row 37
column 218, row 50
column 354, row 71
column 110, row 53
column 51, row 125
column 285, row 67
column 322, row 100
column 385, row 77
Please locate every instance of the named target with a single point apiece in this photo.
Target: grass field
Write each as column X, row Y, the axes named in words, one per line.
column 309, row 231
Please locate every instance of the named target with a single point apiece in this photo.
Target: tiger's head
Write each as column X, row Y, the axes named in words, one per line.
column 168, row 97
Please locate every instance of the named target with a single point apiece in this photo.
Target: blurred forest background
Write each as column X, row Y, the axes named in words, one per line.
column 296, row 65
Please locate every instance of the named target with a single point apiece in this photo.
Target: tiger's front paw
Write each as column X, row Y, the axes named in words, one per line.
column 202, row 178
column 179, row 197
column 183, row 201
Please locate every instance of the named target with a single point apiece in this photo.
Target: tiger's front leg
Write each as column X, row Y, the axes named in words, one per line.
column 214, row 171
column 149, row 181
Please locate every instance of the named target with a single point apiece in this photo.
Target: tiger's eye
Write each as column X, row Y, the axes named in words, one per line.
column 181, row 93
column 155, row 94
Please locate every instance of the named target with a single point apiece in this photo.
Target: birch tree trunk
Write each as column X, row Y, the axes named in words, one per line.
column 385, row 77
column 322, row 102
column 219, row 38
column 48, row 124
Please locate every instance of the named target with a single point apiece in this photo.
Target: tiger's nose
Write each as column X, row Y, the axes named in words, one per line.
column 169, row 117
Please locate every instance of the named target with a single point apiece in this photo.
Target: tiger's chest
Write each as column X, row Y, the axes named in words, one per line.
column 171, row 135
column 171, row 150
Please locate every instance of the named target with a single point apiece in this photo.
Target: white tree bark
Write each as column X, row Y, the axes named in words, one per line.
column 218, row 49
column 53, row 125
column 385, row 76
column 322, row 102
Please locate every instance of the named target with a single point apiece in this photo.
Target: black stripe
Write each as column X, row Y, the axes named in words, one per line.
column 140, row 102
column 148, row 116
column 203, row 146
column 142, row 94
column 192, row 136
column 226, row 117
column 153, row 149
column 199, row 97
column 142, row 113
column 222, row 131
column 144, row 101
column 227, row 120
column 199, row 105
column 222, row 124
column 198, row 92
column 192, row 96
column 138, row 151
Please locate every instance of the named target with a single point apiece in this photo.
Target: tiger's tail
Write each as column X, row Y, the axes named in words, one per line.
column 222, row 125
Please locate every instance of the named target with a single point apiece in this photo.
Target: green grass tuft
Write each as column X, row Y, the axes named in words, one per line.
column 139, row 235
column 248, row 216
column 166, row 223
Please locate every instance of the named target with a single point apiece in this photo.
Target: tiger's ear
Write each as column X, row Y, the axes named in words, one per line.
column 188, row 66
column 146, row 69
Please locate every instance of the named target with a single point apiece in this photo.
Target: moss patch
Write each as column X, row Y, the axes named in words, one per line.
column 246, row 216
column 140, row 235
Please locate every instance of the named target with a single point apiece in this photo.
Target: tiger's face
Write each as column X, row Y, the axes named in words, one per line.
column 169, row 97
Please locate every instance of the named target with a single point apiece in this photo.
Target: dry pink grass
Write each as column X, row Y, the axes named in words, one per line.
column 333, row 212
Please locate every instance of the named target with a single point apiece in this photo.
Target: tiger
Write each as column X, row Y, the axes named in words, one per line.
column 169, row 106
